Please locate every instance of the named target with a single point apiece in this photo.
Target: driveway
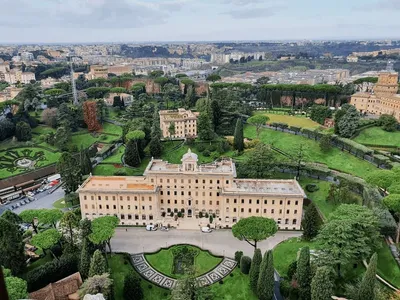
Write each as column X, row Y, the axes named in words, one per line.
column 220, row 242
column 44, row 200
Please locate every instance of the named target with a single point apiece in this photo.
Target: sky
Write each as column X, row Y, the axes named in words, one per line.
column 89, row 21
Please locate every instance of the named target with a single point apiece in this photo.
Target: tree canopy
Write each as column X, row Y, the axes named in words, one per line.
column 258, row 121
column 103, row 229
column 254, row 229
column 46, row 239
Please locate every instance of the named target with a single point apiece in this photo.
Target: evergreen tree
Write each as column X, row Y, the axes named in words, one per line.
column 238, row 141
column 311, row 222
column 84, row 264
column 204, row 127
column 216, row 114
column 85, row 162
column 132, row 287
column 367, row 287
column 255, row 269
column 265, row 284
column 349, row 122
column 155, row 144
column 23, row 132
column 70, row 172
column 304, row 274
column 322, row 285
column 12, row 253
column 132, row 153
column 97, row 264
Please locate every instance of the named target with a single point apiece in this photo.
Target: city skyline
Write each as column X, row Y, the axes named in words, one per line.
column 94, row 21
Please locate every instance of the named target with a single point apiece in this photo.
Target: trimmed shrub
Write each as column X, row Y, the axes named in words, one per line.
column 292, row 270
column 312, row 187
column 238, row 257
column 206, row 153
column 245, row 264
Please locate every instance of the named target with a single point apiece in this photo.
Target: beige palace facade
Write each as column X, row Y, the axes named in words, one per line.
column 185, row 123
column 191, row 188
column 384, row 100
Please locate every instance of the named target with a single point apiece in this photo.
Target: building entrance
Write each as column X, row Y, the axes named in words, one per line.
column 189, row 213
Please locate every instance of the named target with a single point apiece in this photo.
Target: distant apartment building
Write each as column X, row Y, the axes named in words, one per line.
column 99, row 71
column 223, row 58
column 9, row 93
column 27, row 56
column 352, row 59
column 384, row 99
column 14, row 76
column 191, row 189
column 185, row 122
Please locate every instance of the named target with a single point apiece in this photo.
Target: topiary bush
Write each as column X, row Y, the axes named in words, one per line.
column 245, row 264
column 238, row 257
column 206, row 153
column 312, row 187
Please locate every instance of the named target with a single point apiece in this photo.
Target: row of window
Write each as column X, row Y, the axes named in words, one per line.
column 264, row 210
column 265, row 202
column 121, row 198
column 189, row 193
column 189, row 181
column 129, row 217
column 115, row 207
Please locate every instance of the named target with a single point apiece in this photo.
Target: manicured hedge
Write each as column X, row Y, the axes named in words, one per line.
column 245, row 264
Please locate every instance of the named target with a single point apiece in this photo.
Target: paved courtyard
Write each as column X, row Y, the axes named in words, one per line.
column 220, row 242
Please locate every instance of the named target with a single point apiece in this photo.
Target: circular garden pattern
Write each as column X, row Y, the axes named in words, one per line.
column 164, row 267
column 18, row 160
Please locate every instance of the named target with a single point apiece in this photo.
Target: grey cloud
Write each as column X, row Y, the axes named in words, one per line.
column 242, row 2
column 253, row 13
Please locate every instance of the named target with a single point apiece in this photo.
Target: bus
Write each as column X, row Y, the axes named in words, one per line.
column 54, row 177
column 9, row 197
column 7, row 190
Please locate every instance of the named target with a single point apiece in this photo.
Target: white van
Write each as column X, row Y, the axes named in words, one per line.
column 151, row 227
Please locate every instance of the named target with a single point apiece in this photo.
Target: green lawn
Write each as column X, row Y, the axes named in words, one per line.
column 87, row 139
column 299, row 121
column 334, row 159
column 319, row 197
column 60, row 204
column 163, row 262
column 8, row 157
column 109, row 169
column 41, row 129
column 39, row 262
column 236, row 287
column 378, row 136
column 111, row 128
column 116, row 157
column 120, row 267
column 387, row 266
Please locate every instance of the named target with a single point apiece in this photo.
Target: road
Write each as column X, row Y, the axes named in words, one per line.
column 220, row 242
column 44, row 200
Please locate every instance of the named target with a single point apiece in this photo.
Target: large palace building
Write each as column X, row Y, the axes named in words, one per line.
column 190, row 189
column 384, row 99
column 185, row 123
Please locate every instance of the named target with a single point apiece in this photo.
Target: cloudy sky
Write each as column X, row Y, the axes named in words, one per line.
column 52, row 21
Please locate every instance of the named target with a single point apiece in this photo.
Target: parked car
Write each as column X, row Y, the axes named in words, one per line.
column 152, row 227
column 206, row 229
column 164, row 228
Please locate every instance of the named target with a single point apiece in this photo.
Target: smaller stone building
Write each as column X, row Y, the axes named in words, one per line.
column 185, row 122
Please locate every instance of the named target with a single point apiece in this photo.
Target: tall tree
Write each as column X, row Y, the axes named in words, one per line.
column 392, row 202
column 254, row 229
column 85, row 162
column 132, row 152
column 30, row 216
column 103, row 229
column 238, row 139
column 86, row 230
column 304, row 274
column 69, row 223
column 70, row 172
column 204, row 127
column 16, row 287
column 382, row 178
column 368, row 283
column 171, row 129
column 49, row 216
column 187, row 288
column 255, row 269
column 12, row 252
column 388, row 122
column 11, row 217
column 350, row 235
column 132, row 287
column 298, row 157
column 266, row 281
column 155, row 141
column 97, row 264
column 23, row 132
column 46, row 239
column 259, row 163
column 258, row 121
column 349, row 122
column 216, row 114
column 61, row 138
column 322, row 285
column 90, row 115
column 311, row 222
